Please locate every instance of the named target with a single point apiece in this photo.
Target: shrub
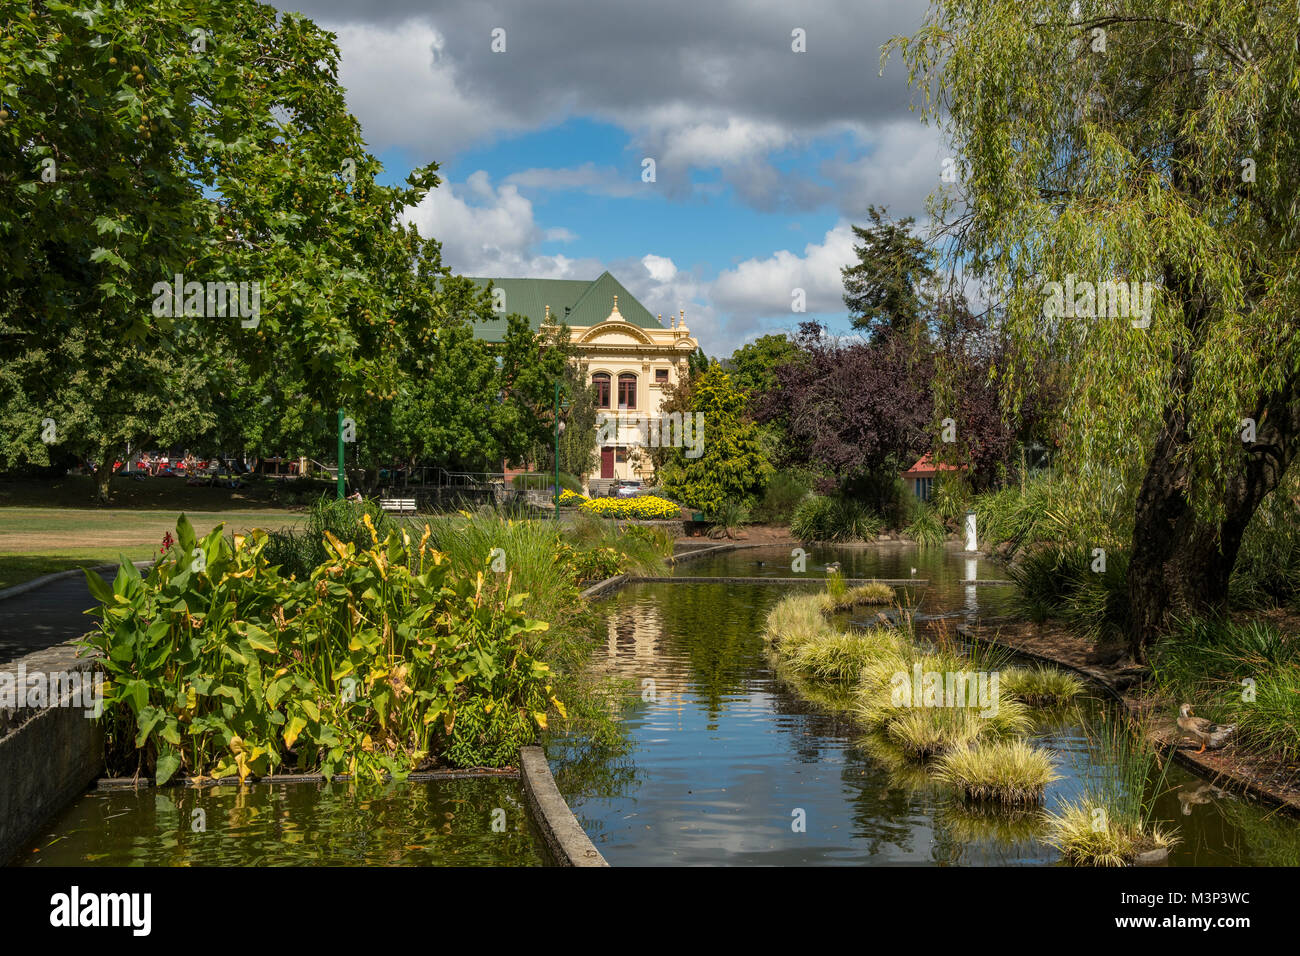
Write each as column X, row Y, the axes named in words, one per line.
column 784, row 491
column 643, row 507
column 927, row 528
column 950, row 497
column 822, row 518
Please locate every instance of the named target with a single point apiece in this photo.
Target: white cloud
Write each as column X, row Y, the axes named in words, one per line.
column 661, row 269
column 407, row 94
column 490, row 230
column 765, row 287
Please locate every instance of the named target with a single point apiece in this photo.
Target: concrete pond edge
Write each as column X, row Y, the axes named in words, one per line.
column 566, row 841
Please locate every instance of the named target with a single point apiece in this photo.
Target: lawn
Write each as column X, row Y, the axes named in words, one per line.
column 36, row 541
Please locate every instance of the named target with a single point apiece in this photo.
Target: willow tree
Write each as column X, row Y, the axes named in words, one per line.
column 1154, row 143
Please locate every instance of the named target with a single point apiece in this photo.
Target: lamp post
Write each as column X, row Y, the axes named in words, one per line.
column 340, row 481
column 559, row 430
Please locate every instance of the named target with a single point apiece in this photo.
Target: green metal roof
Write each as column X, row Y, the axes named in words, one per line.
column 572, row 301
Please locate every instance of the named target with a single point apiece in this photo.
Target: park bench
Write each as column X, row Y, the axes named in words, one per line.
column 400, row 505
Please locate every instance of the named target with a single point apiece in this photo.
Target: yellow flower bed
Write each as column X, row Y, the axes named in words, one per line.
column 646, row 508
column 568, row 497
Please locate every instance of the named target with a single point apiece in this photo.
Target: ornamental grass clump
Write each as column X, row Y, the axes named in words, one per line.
column 1007, row 772
column 1087, row 835
column 873, row 592
column 1041, row 686
column 796, row 620
column 839, row 657
column 1112, row 822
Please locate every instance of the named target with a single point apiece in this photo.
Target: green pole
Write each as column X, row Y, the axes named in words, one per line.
column 557, row 450
column 341, row 492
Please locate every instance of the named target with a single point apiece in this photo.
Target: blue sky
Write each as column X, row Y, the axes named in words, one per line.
column 764, row 155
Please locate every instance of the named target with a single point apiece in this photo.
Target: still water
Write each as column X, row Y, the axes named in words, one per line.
column 439, row 823
column 730, row 766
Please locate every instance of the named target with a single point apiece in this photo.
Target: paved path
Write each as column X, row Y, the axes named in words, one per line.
column 46, row 616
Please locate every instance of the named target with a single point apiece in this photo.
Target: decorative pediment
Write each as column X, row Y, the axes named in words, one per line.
column 614, row 332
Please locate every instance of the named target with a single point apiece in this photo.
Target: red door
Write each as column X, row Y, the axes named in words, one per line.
column 607, row 463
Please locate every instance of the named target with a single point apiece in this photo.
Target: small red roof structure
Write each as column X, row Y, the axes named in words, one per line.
column 926, row 468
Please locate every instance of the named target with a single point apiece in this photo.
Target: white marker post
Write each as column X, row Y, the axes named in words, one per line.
column 970, row 532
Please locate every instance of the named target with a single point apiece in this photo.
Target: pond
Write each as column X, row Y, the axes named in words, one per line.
column 456, row 822
column 730, row 766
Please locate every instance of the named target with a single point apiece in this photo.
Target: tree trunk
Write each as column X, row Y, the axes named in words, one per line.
column 103, row 475
column 1180, row 564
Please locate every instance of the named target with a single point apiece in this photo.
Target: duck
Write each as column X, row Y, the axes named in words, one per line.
column 1204, row 792
column 1198, row 728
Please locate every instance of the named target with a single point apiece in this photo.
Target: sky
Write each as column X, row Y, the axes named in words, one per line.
column 763, row 157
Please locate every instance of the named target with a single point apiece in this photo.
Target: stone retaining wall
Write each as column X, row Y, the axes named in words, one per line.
column 47, row 755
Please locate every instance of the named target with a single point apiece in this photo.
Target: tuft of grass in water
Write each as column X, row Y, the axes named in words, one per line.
column 1088, row 835
column 873, row 592
column 840, row 657
column 796, row 620
column 1007, row 772
column 1041, row 686
column 926, row 732
column 1111, row 823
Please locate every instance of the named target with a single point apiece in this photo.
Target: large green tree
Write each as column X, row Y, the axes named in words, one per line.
column 1153, row 142
column 731, row 466
column 888, row 288
column 208, row 139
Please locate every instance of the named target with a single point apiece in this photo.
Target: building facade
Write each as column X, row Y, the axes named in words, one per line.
column 630, row 357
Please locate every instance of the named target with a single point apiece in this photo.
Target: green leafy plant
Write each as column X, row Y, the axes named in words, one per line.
column 227, row 667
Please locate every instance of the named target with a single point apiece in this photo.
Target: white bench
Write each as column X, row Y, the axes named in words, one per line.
column 401, row 505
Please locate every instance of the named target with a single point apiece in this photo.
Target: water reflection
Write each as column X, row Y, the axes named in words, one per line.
column 733, row 764
column 444, row 823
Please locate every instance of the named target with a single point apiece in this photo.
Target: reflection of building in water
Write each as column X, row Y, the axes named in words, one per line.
column 634, row 636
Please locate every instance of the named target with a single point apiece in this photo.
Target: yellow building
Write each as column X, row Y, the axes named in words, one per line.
column 630, row 357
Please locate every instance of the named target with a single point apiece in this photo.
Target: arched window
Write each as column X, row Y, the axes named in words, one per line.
column 627, row 390
column 600, row 382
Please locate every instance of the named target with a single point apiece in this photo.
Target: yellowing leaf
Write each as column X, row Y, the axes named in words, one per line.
column 292, row 729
